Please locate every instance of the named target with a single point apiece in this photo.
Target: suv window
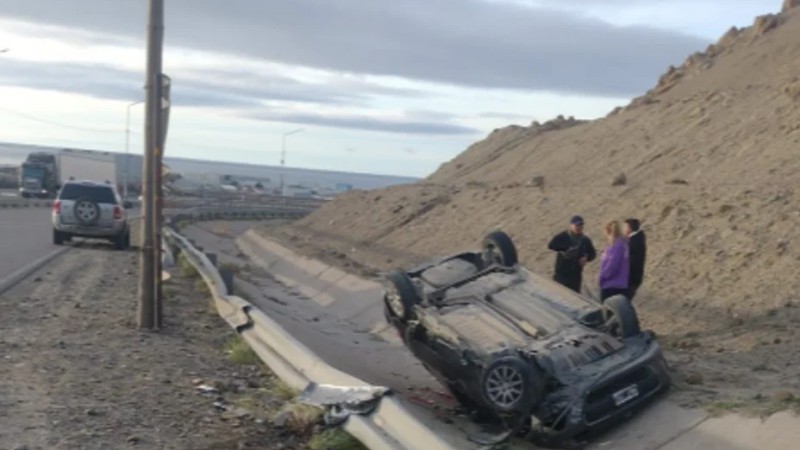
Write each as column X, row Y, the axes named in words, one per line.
column 97, row 194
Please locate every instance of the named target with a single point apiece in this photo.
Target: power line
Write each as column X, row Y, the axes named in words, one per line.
column 59, row 124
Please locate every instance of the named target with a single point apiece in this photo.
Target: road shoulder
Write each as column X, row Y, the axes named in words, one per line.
column 77, row 373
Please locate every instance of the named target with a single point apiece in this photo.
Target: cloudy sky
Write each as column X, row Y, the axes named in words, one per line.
column 380, row 86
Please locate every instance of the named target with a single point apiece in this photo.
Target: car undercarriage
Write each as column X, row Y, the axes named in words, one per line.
column 515, row 348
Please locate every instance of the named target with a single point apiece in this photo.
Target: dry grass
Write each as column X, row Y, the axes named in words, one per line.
column 239, row 352
column 281, row 391
column 185, row 268
column 334, row 438
column 300, row 417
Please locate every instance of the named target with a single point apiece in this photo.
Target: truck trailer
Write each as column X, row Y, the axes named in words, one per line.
column 87, row 165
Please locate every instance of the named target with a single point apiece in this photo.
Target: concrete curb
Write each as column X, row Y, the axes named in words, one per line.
column 20, row 275
column 389, row 427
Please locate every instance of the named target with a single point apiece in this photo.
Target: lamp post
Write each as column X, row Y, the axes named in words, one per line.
column 283, row 156
column 127, row 146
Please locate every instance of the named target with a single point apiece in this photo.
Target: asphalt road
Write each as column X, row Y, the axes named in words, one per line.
column 25, row 236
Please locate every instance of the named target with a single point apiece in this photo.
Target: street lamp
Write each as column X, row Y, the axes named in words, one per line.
column 283, row 156
column 127, row 145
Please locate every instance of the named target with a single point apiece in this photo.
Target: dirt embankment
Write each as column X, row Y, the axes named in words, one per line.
column 77, row 374
column 708, row 160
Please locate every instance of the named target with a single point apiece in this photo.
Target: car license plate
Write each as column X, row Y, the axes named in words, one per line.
column 623, row 396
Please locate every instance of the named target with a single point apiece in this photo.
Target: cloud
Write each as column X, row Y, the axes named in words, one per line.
column 505, row 116
column 226, row 89
column 408, row 125
column 231, row 90
column 335, row 90
column 474, row 43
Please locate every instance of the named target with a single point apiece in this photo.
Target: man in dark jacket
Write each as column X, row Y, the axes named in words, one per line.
column 574, row 250
column 637, row 247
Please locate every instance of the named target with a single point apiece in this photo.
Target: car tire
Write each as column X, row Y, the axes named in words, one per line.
column 620, row 317
column 121, row 241
column 401, row 296
column 58, row 238
column 498, row 248
column 82, row 220
column 510, row 385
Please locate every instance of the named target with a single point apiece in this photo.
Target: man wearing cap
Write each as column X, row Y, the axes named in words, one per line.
column 574, row 249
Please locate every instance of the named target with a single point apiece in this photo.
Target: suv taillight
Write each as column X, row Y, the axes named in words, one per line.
column 57, row 207
column 117, row 213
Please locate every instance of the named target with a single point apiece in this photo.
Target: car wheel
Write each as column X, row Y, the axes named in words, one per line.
column 58, row 238
column 511, row 385
column 498, row 248
column 67, row 237
column 87, row 212
column 401, row 296
column 120, row 242
column 620, row 317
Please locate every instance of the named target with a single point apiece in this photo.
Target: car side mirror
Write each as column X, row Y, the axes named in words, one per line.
column 127, row 205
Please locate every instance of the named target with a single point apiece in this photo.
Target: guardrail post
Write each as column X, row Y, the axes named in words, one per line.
column 227, row 278
column 213, row 258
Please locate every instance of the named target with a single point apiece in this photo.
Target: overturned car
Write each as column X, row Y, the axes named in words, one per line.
column 512, row 344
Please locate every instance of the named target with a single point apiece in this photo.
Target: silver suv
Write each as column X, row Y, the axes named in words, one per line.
column 91, row 210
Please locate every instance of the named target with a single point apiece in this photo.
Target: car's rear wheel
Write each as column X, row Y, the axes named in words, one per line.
column 122, row 241
column 510, row 385
column 401, row 296
column 58, row 237
column 498, row 248
column 620, row 317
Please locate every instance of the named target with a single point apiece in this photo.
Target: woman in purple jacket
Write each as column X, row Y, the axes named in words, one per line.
column 614, row 263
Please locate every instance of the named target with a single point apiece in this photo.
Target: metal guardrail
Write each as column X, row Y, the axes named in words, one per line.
column 237, row 213
column 388, row 427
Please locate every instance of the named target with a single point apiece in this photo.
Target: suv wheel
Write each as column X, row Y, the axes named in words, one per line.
column 86, row 211
column 510, row 385
column 401, row 296
column 122, row 241
column 498, row 248
column 58, row 237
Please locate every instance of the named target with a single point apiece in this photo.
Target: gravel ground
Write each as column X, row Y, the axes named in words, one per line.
column 77, row 374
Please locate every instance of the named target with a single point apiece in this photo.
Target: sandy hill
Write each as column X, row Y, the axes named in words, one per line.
column 709, row 160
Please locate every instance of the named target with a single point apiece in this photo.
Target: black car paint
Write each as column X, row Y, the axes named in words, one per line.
column 576, row 402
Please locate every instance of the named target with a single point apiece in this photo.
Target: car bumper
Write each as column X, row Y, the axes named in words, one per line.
column 90, row 232
column 595, row 409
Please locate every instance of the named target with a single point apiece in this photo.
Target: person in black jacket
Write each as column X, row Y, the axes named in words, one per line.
column 575, row 250
column 637, row 245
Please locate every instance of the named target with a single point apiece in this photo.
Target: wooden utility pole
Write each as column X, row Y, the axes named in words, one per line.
column 149, row 279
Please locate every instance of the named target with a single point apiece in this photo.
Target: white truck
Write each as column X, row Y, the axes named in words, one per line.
column 81, row 165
